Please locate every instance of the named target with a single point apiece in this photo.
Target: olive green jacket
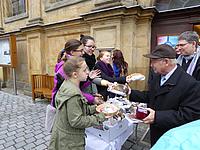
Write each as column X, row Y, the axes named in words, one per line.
column 73, row 116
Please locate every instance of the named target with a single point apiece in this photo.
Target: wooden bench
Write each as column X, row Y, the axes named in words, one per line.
column 42, row 86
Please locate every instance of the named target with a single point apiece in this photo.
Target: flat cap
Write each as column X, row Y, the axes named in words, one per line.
column 162, row 51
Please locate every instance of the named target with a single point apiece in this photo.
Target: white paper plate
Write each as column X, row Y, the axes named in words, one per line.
column 136, row 76
column 116, row 92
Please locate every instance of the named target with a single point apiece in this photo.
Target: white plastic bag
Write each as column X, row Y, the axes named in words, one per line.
column 50, row 117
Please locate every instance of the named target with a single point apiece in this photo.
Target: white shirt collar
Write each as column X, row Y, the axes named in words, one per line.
column 167, row 76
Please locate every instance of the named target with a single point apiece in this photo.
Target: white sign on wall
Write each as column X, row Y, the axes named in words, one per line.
column 5, row 56
column 8, row 51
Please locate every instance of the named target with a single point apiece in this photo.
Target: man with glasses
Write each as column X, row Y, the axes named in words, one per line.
column 173, row 96
column 189, row 53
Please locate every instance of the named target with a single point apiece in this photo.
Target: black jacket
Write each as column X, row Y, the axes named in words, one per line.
column 196, row 73
column 175, row 103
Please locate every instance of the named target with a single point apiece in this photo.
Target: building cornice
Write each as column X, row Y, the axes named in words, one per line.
column 137, row 10
column 118, row 11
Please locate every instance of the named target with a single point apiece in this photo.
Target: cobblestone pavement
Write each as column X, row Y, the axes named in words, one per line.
column 22, row 125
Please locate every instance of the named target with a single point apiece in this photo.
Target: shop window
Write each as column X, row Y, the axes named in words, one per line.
column 171, row 40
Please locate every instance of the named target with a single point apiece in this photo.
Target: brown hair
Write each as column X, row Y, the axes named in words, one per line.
column 72, row 65
column 60, row 56
column 118, row 59
column 85, row 38
column 101, row 53
column 72, row 45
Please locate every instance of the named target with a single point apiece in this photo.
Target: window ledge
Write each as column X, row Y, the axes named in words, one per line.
column 54, row 6
column 15, row 18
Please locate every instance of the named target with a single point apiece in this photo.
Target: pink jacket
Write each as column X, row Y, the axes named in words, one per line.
column 59, row 70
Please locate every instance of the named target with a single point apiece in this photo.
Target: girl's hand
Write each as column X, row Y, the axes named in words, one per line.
column 129, row 89
column 94, row 74
column 98, row 99
column 105, row 82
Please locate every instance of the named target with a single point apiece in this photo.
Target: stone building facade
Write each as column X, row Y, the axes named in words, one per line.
column 42, row 27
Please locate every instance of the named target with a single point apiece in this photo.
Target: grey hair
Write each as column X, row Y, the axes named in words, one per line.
column 189, row 36
column 173, row 61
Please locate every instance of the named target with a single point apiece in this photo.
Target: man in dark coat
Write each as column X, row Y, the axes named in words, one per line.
column 189, row 57
column 173, row 96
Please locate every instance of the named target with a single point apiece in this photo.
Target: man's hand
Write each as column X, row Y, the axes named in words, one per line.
column 150, row 118
column 94, row 74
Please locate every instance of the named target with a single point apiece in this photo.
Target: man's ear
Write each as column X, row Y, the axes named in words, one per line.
column 194, row 43
column 167, row 61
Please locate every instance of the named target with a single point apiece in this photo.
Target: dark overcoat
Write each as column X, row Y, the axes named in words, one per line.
column 196, row 72
column 175, row 103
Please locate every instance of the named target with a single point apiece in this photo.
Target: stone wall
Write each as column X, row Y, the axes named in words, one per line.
column 43, row 32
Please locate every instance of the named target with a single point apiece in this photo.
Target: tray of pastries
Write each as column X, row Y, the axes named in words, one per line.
column 119, row 89
column 107, row 109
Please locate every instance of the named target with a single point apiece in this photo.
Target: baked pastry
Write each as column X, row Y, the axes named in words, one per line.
column 119, row 89
column 107, row 109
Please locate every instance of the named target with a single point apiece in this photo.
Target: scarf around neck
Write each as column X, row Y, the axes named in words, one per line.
column 90, row 60
column 106, row 68
column 193, row 63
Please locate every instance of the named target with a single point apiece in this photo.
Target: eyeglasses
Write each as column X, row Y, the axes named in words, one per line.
column 91, row 46
column 182, row 45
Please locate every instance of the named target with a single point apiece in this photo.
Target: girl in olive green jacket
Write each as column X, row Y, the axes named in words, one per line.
column 73, row 112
